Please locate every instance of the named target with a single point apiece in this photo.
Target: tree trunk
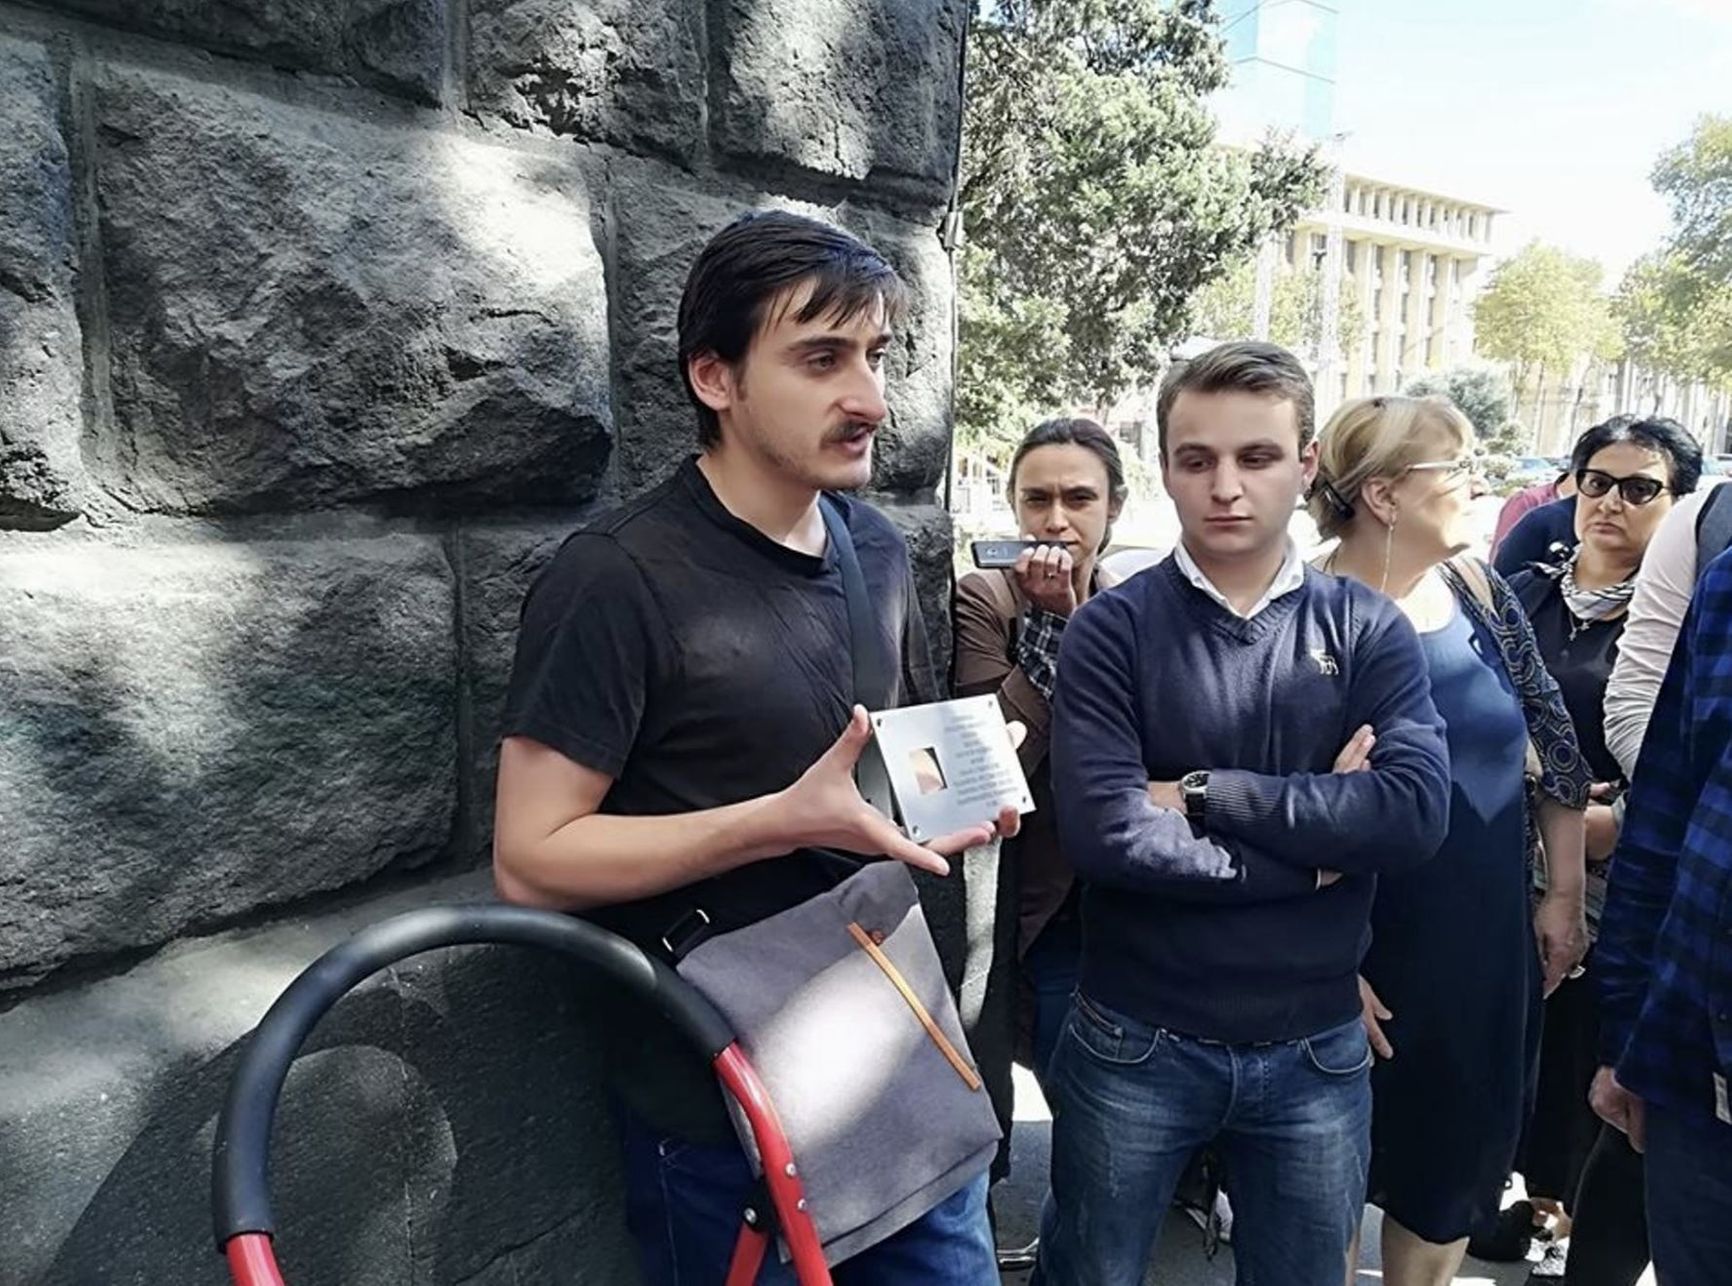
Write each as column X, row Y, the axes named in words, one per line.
column 1540, row 413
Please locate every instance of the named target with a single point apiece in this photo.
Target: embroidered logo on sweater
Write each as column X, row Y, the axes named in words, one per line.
column 1326, row 664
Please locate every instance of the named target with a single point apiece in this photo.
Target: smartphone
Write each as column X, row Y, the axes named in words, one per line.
column 989, row 554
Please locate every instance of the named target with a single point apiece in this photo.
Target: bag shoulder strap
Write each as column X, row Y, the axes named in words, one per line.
column 1472, row 573
column 1713, row 527
column 872, row 677
column 872, row 673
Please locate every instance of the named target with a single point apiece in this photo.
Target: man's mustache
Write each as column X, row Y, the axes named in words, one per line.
column 852, row 429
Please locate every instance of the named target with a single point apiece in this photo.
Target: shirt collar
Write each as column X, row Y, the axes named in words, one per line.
column 1289, row 578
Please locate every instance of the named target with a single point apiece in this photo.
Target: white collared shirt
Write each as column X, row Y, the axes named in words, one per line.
column 1289, row 578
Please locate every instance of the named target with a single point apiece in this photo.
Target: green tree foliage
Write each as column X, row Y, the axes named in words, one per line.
column 1674, row 322
column 1696, row 177
column 1484, row 396
column 1095, row 201
column 1543, row 310
column 1675, row 305
column 1225, row 308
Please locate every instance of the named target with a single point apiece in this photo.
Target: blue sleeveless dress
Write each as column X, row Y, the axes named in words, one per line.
column 1453, row 958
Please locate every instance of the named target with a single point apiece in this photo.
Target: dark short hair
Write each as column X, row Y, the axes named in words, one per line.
column 1081, row 432
column 754, row 259
column 1244, row 366
column 1682, row 453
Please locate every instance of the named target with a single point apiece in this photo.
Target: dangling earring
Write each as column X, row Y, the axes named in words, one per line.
column 1388, row 549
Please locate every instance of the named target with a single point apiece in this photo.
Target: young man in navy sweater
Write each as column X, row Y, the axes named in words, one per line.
column 1240, row 744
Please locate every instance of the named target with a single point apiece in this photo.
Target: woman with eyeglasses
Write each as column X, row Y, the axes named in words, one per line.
column 1458, row 959
column 1627, row 474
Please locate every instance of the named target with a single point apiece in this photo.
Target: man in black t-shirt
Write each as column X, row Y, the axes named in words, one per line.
column 682, row 713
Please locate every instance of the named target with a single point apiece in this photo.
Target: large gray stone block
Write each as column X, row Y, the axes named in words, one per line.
column 444, row 1125
column 913, row 448
column 626, row 72
column 307, row 309
column 862, row 90
column 662, row 225
column 396, row 45
column 192, row 731
column 41, row 346
column 928, row 531
column 498, row 563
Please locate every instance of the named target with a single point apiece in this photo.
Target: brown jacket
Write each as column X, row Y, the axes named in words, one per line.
column 989, row 609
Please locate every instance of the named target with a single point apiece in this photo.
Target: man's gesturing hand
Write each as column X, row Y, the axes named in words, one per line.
column 823, row 809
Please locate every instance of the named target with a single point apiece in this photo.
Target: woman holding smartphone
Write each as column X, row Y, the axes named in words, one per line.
column 1067, row 485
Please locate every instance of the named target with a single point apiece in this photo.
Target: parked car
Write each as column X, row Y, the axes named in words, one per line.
column 1530, row 470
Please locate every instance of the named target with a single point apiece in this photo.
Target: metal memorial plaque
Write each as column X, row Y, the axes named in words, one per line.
column 948, row 766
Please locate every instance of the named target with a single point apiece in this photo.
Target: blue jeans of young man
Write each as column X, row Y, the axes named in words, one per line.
column 1291, row 1120
column 1689, row 1182
column 684, row 1203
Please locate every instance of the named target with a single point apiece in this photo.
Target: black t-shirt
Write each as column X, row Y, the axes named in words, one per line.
column 1582, row 665
column 699, row 663
column 1530, row 540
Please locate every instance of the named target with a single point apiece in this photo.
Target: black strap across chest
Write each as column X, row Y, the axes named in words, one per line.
column 872, row 673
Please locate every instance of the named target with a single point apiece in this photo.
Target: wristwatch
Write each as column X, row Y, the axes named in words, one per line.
column 1194, row 790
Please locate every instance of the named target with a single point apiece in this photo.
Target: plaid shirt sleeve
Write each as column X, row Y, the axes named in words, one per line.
column 1037, row 648
column 1664, row 957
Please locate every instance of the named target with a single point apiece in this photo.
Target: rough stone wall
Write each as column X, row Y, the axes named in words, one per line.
column 321, row 323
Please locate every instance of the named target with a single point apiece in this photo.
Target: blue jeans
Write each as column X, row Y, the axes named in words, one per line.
column 1689, row 1188
column 684, row 1203
column 1291, row 1120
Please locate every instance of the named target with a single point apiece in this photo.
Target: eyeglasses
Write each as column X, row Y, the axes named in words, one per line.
column 1637, row 489
column 1466, row 466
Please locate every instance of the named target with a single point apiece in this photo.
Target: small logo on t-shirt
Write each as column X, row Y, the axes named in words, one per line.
column 1326, row 664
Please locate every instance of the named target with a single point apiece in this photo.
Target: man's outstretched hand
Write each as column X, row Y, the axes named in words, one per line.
column 824, row 809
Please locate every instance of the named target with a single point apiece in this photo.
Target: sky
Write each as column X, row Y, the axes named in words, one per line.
column 1554, row 110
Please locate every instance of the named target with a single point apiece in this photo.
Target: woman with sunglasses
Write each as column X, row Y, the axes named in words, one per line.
column 1452, row 979
column 1627, row 474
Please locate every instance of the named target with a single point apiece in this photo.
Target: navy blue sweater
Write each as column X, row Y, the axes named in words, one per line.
column 1225, row 935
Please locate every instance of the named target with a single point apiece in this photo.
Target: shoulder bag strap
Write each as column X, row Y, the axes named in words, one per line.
column 872, row 676
column 1713, row 527
column 1472, row 574
column 872, row 679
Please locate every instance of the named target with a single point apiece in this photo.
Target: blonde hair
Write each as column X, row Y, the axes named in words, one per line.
column 1378, row 437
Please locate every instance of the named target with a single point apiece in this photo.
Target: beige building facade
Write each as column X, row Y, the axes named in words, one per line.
column 1403, row 265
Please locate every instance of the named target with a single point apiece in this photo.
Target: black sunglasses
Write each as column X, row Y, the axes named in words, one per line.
column 1637, row 489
